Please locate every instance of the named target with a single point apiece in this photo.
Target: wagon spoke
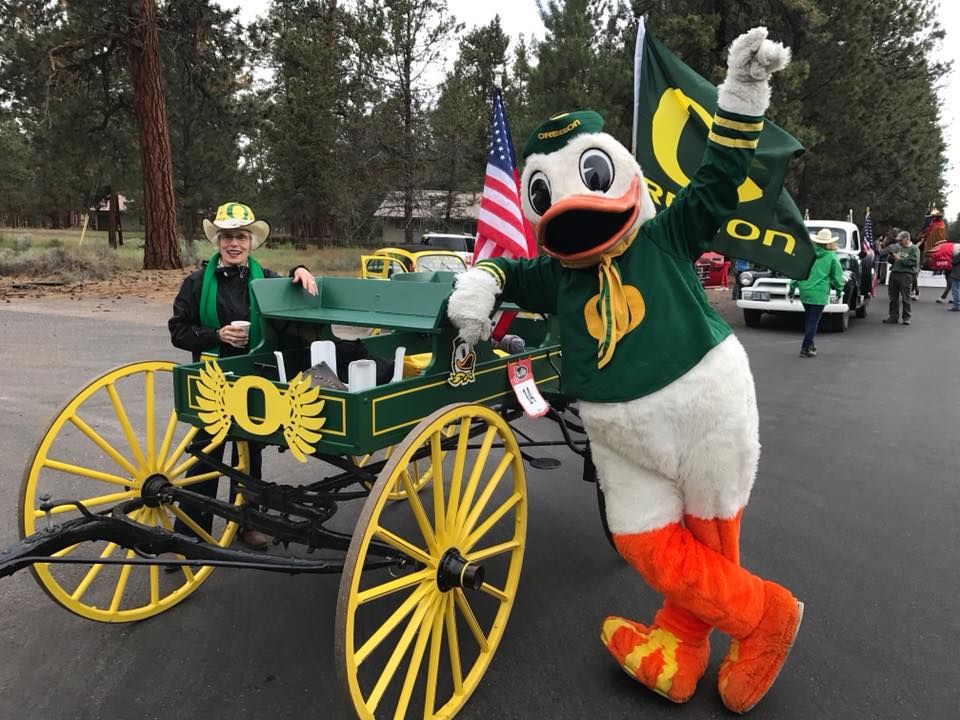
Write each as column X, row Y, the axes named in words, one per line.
column 396, row 657
column 416, row 658
column 494, row 592
column 419, row 513
column 478, row 464
column 89, row 473
column 168, row 434
column 467, row 612
column 92, row 573
column 194, row 479
column 407, row 548
column 436, row 464
column 191, row 523
column 485, row 496
column 388, row 588
column 188, row 462
column 121, row 584
column 492, row 551
column 150, row 420
column 433, row 664
column 125, row 425
column 178, row 453
column 383, row 632
column 456, row 477
column 106, row 447
column 492, row 520
column 453, row 644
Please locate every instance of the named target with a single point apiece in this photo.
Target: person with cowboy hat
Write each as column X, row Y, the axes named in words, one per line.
column 825, row 273
column 210, row 299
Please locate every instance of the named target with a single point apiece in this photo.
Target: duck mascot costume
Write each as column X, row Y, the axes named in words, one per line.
column 664, row 387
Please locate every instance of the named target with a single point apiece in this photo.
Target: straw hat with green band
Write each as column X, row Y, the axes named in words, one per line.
column 237, row 216
column 560, row 129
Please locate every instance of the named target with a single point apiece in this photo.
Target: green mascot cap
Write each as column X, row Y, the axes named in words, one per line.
column 560, row 129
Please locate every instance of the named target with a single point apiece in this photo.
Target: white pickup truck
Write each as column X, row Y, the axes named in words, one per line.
column 764, row 291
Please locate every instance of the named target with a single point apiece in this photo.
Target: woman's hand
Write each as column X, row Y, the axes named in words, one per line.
column 233, row 335
column 303, row 277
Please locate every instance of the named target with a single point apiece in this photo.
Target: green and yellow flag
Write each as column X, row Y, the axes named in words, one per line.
column 673, row 111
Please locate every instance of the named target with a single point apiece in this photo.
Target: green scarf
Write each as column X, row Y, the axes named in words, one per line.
column 208, row 301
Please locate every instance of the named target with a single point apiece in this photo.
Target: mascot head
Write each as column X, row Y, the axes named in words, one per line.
column 582, row 190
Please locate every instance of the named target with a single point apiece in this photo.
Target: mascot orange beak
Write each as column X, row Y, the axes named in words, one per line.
column 579, row 229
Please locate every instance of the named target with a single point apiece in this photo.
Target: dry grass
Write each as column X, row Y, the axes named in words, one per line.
column 40, row 254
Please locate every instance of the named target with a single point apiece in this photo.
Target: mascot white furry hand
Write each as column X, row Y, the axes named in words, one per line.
column 665, row 389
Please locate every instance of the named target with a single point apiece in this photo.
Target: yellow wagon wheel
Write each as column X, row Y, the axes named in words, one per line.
column 415, row 643
column 114, row 434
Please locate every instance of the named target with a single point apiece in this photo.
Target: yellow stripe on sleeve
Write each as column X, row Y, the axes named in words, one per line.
column 736, row 125
column 731, row 143
column 495, row 272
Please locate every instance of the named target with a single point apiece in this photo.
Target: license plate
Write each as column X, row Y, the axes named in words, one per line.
column 760, row 296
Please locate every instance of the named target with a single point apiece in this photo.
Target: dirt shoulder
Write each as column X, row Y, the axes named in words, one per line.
column 146, row 295
column 134, row 295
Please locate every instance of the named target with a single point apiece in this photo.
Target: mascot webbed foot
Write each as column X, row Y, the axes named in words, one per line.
column 753, row 662
column 655, row 657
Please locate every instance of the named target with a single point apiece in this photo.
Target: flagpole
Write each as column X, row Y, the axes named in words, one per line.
column 637, row 63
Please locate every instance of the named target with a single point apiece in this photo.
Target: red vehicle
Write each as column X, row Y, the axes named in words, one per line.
column 712, row 269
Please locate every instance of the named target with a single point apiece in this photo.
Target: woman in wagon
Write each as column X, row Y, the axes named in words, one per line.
column 210, row 299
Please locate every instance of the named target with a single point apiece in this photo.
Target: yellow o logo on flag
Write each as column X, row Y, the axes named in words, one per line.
column 671, row 117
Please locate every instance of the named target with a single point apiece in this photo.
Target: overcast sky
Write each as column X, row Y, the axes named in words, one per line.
column 520, row 16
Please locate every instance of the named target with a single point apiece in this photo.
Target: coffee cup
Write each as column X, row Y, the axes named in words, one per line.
column 243, row 325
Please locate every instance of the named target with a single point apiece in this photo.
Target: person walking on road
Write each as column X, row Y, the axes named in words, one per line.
column 905, row 259
column 953, row 279
column 815, row 290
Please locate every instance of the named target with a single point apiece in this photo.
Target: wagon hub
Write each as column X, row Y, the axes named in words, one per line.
column 153, row 487
column 454, row 571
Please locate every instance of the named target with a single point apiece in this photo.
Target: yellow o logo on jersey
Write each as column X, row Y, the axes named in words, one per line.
column 636, row 309
column 671, row 117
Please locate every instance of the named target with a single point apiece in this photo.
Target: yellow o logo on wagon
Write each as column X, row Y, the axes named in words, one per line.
column 275, row 407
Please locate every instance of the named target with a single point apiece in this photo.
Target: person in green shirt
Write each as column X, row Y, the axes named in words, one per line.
column 815, row 289
column 904, row 259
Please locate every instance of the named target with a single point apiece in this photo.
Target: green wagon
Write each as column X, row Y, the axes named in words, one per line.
column 430, row 558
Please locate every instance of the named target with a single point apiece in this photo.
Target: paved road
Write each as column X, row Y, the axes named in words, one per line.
column 855, row 509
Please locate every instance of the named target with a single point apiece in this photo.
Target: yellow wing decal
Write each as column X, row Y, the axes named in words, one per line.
column 303, row 419
column 212, row 390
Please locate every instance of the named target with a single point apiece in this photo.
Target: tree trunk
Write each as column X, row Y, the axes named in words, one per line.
column 112, row 219
column 161, row 250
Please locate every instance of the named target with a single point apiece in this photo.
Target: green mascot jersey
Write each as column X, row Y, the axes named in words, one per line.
column 672, row 325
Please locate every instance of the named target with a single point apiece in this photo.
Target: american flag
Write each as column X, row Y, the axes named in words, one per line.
column 501, row 228
column 868, row 232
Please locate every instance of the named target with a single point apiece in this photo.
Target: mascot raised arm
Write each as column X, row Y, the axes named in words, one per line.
column 664, row 387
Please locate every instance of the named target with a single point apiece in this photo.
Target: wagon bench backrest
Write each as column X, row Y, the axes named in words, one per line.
column 412, row 306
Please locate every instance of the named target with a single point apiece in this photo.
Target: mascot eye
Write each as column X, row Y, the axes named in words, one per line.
column 596, row 170
column 540, row 193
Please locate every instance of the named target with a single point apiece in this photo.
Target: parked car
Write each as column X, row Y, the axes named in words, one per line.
column 712, row 269
column 387, row 262
column 764, row 291
column 461, row 244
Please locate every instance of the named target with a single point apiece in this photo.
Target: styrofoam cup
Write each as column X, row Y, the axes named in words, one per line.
column 361, row 375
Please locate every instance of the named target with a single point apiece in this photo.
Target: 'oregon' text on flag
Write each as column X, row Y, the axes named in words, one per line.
column 673, row 111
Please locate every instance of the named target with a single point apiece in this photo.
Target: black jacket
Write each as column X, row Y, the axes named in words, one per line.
column 233, row 303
